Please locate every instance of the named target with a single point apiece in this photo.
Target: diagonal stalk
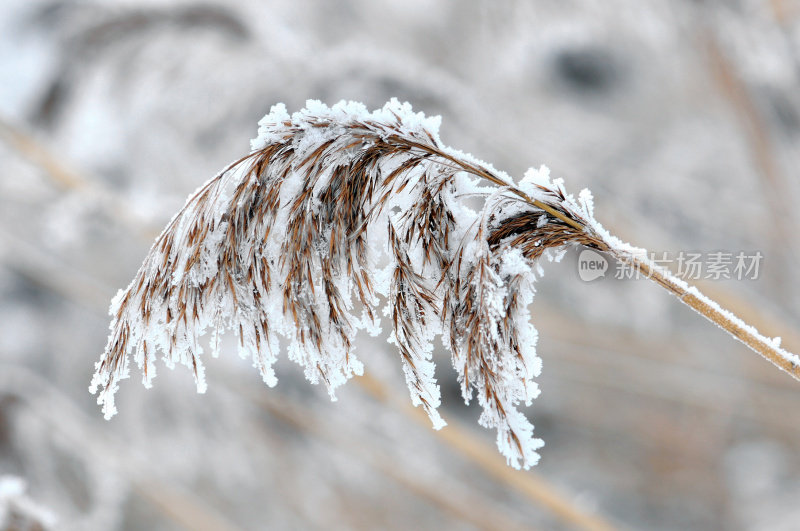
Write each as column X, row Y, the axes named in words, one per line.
column 709, row 309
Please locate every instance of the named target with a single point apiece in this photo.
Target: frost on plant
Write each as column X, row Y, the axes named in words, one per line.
column 18, row 511
column 337, row 218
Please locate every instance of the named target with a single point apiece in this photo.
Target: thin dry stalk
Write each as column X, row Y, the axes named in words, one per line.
column 30, row 149
column 769, row 349
column 760, row 142
column 530, row 485
column 448, row 498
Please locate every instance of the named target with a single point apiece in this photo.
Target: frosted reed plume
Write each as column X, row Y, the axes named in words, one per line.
column 338, row 215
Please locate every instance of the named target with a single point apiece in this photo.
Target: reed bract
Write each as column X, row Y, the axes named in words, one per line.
column 339, row 217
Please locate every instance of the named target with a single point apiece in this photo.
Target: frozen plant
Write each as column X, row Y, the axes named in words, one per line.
column 18, row 511
column 337, row 212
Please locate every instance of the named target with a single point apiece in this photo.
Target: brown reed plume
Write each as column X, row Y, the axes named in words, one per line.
column 337, row 212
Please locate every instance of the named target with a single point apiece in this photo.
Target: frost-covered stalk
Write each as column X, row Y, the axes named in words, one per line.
column 337, row 212
column 769, row 348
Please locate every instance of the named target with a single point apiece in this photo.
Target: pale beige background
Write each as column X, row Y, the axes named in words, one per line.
column 682, row 117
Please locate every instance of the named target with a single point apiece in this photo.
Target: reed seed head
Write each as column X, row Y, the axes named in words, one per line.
column 335, row 213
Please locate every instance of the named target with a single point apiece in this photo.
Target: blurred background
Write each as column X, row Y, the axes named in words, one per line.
column 682, row 117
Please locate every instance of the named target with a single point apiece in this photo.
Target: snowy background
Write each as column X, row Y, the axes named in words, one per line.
column 682, row 117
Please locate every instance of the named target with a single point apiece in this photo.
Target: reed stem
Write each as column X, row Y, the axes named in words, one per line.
column 709, row 309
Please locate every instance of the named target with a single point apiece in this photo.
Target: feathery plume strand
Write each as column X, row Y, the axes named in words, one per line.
column 338, row 211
